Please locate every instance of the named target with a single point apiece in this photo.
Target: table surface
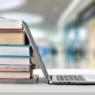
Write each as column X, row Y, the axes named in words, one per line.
column 43, row 87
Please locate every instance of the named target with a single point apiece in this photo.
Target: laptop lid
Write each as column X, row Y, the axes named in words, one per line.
column 35, row 49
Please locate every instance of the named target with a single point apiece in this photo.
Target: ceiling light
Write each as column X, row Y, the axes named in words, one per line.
column 11, row 4
column 31, row 19
column 82, row 33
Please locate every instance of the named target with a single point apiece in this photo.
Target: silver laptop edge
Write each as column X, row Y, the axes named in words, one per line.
column 35, row 49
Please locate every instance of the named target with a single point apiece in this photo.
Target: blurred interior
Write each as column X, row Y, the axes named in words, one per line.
column 64, row 30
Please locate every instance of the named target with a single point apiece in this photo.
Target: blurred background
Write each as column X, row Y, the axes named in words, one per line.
column 62, row 29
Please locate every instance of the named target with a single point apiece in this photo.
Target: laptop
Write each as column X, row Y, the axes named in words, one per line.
column 58, row 79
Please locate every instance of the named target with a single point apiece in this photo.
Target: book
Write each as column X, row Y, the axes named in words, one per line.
column 12, row 37
column 14, row 75
column 32, row 80
column 16, row 64
column 15, row 60
column 11, row 32
column 16, row 67
column 15, row 51
column 10, row 24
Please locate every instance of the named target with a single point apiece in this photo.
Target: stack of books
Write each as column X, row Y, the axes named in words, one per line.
column 15, row 53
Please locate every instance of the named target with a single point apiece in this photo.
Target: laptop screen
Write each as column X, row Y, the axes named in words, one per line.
column 75, row 52
column 35, row 49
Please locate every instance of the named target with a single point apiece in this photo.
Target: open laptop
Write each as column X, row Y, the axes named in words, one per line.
column 58, row 79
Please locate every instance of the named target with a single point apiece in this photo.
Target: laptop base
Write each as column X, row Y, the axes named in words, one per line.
column 68, row 80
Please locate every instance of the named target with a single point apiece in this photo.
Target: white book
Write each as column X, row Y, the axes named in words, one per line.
column 14, row 75
column 10, row 24
column 14, row 61
column 9, row 67
column 15, row 50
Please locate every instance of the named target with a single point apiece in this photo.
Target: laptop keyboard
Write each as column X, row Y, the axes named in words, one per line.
column 61, row 79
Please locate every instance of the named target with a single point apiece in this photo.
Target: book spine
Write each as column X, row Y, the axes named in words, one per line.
column 14, row 79
column 16, row 54
column 13, row 71
column 17, row 67
column 10, row 73
column 9, row 29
